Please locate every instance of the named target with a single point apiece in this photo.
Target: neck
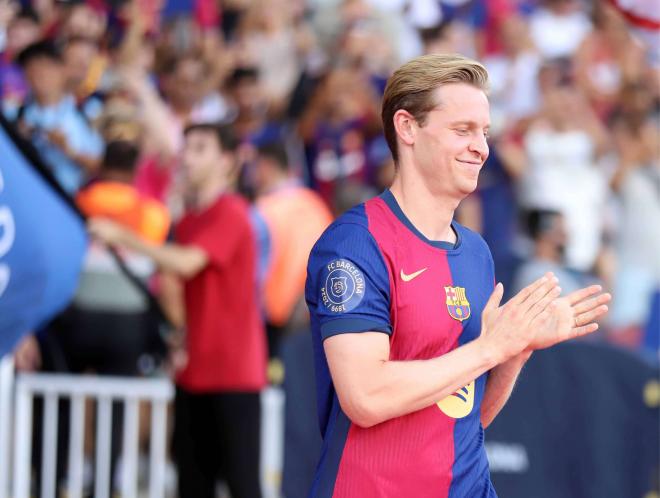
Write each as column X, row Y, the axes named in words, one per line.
column 429, row 212
column 182, row 110
column 48, row 100
column 207, row 193
column 111, row 175
column 546, row 252
column 275, row 183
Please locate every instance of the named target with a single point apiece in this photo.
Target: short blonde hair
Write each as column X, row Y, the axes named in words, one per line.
column 411, row 87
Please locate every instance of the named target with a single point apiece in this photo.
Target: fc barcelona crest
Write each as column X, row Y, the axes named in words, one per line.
column 457, row 304
column 338, row 286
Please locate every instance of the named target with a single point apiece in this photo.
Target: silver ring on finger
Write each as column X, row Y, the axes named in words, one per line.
column 575, row 321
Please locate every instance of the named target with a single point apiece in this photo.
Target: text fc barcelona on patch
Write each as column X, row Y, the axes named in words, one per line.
column 457, row 304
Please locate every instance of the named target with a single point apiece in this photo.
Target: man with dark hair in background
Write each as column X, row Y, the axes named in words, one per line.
column 547, row 231
column 217, row 405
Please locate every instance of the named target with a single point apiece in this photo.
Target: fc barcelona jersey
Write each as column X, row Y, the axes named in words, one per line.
column 372, row 270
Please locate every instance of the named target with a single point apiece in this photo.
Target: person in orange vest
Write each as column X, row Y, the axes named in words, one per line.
column 113, row 195
column 295, row 216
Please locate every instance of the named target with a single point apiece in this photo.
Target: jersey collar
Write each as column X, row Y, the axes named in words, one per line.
column 391, row 202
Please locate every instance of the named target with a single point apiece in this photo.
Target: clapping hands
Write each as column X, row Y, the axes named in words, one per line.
column 537, row 317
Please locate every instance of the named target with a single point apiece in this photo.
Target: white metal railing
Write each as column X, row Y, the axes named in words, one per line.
column 272, row 441
column 104, row 391
column 6, row 388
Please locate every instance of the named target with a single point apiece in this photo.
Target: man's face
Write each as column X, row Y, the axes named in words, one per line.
column 186, row 82
column 249, row 97
column 557, row 235
column 46, row 78
column 77, row 59
column 451, row 147
column 202, row 158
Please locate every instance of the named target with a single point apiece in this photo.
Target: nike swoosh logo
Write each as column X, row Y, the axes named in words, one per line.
column 408, row 278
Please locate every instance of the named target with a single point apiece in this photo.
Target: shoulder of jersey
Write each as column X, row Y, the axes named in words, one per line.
column 352, row 222
column 355, row 217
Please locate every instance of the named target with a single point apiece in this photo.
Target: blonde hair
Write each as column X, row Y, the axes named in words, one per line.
column 411, row 87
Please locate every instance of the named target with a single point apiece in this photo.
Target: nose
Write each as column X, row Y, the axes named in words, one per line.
column 479, row 145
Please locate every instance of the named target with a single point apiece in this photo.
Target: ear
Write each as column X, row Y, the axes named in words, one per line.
column 404, row 124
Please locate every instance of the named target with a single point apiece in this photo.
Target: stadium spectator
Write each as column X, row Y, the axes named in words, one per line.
column 514, row 92
column 337, row 129
column 566, row 140
column 636, row 182
column 269, row 39
column 51, row 119
column 217, row 406
column 253, row 121
column 84, row 65
column 188, row 96
column 547, row 231
column 558, row 27
column 76, row 19
column 18, row 29
column 295, row 216
column 608, row 57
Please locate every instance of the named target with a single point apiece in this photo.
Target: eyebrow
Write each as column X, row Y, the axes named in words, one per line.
column 471, row 124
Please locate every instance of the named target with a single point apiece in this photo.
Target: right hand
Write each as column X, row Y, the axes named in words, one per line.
column 107, row 231
column 177, row 358
column 508, row 330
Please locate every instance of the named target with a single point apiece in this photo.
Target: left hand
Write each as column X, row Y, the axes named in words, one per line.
column 106, row 231
column 27, row 355
column 58, row 138
column 571, row 316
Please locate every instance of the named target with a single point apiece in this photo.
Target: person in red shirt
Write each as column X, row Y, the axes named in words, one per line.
column 217, row 406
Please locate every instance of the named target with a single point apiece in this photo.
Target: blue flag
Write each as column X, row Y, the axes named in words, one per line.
column 42, row 244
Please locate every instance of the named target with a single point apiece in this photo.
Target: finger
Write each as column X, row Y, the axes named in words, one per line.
column 592, row 303
column 584, row 330
column 590, row 316
column 533, row 301
column 527, row 291
column 541, row 305
column 581, row 294
column 495, row 298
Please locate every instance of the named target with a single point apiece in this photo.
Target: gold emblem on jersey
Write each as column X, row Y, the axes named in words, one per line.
column 460, row 403
column 457, row 304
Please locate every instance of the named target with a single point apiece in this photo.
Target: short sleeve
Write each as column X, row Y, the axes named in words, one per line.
column 220, row 234
column 348, row 286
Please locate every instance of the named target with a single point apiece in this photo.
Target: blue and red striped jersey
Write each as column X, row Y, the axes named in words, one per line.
column 372, row 270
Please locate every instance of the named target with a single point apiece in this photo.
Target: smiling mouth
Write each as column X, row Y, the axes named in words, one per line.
column 470, row 164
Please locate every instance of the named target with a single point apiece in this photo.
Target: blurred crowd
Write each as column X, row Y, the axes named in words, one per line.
column 105, row 89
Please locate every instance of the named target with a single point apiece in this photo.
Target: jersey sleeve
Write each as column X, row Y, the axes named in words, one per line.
column 348, row 286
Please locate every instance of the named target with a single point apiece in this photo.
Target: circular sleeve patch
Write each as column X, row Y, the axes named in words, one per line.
column 344, row 286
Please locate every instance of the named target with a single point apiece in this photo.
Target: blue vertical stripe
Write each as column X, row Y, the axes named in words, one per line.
column 472, row 270
column 331, row 452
